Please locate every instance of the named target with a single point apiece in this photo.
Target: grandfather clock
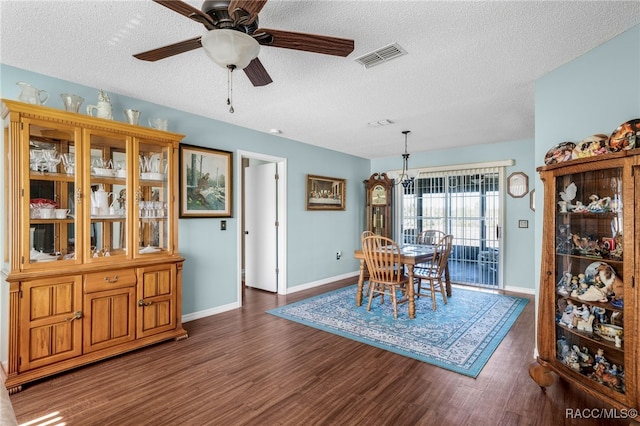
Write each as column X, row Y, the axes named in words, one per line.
column 378, row 210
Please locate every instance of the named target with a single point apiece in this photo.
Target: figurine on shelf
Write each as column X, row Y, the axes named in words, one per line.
column 610, row 281
column 568, row 314
column 607, row 377
column 593, row 294
column 616, row 253
column 597, row 204
column 584, row 357
column 584, row 318
column 581, row 287
column 616, row 319
column 600, row 314
column 562, row 347
column 563, row 237
column 586, row 245
column 605, row 204
column 579, row 208
column 571, row 360
column 563, row 206
column 575, row 283
column 564, row 285
column 586, row 325
column 582, row 311
column 569, row 194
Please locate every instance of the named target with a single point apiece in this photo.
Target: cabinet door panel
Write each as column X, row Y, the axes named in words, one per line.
column 156, row 300
column 49, row 183
column 108, row 205
column 154, row 174
column 157, row 283
column 110, row 318
column 51, row 309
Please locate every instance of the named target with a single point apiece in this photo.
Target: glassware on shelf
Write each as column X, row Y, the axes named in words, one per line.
column 102, row 167
column 152, row 167
column 69, row 163
column 71, row 102
column 52, row 159
column 36, row 160
column 120, row 168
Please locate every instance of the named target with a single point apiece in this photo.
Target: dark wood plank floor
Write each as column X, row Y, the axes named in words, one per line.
column 246, row 367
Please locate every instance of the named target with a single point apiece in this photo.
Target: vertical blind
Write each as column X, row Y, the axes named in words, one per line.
column 465, row 203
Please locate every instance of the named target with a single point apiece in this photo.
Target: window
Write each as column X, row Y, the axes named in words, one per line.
column 465, row 203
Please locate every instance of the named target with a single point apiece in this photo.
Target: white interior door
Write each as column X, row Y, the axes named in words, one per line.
column 261, row 231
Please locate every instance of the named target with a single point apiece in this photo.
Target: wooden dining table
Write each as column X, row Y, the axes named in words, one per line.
column 410, row 255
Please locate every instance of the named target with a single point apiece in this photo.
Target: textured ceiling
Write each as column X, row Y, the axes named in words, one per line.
column 468, row 77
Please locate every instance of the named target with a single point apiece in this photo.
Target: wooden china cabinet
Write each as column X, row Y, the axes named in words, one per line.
column 90, row 266
column 588, row 308
column 378, row 208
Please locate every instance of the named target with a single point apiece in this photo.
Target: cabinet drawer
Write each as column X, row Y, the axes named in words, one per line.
column 108, row 280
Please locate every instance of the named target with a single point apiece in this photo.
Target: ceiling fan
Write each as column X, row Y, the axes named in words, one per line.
column 233, row 25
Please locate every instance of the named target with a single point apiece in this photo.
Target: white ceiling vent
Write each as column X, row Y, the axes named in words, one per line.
column 381, row 55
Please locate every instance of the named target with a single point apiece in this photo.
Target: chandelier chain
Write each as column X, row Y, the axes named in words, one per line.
column 404, row 177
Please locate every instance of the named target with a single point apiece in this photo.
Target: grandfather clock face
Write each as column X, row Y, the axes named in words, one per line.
column 379, row 195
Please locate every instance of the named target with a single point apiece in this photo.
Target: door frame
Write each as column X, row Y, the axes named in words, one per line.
column 282, row 216
column 501, row 165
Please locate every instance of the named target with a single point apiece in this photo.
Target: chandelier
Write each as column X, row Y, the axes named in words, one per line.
column 405, row 178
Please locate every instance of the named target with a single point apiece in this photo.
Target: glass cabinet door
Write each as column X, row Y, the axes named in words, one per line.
column 590, row 320
column 106, row 174
column 153, row 198
column 50, row 193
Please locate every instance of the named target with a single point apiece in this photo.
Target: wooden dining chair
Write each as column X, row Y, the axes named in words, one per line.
column 386, row 276
column 429, row 237
column 366, row 234
column 366, row 273
column 434, row 272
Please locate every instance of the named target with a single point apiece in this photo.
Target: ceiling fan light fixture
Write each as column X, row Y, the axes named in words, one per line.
column 230, row 47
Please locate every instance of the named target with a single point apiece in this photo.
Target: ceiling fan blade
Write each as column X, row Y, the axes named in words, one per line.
column 170, row 50
column 252, row 7
column 303, row 41
column 257, row 74
column 189, row 11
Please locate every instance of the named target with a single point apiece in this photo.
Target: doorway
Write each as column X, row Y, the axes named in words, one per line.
column 262, row 233
column 466, row 204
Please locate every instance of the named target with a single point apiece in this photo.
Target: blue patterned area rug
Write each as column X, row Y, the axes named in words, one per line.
column 459, row 336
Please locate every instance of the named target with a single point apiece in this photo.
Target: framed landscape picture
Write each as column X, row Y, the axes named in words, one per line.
column 325, row 193
column 205, row 182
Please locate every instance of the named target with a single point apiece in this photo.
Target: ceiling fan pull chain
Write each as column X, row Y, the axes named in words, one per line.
column 230, row 87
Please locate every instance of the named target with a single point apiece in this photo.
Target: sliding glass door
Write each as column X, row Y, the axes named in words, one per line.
column 466, row 204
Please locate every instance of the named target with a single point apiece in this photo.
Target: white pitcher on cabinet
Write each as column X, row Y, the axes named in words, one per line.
column 103, row 109
column 31, row 95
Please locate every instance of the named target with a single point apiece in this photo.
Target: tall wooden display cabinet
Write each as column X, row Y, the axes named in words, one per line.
column 588, row 311
column 90, row 263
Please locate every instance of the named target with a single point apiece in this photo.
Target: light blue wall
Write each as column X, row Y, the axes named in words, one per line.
column 210, row 273
column 518, row 260
column 594, row 93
